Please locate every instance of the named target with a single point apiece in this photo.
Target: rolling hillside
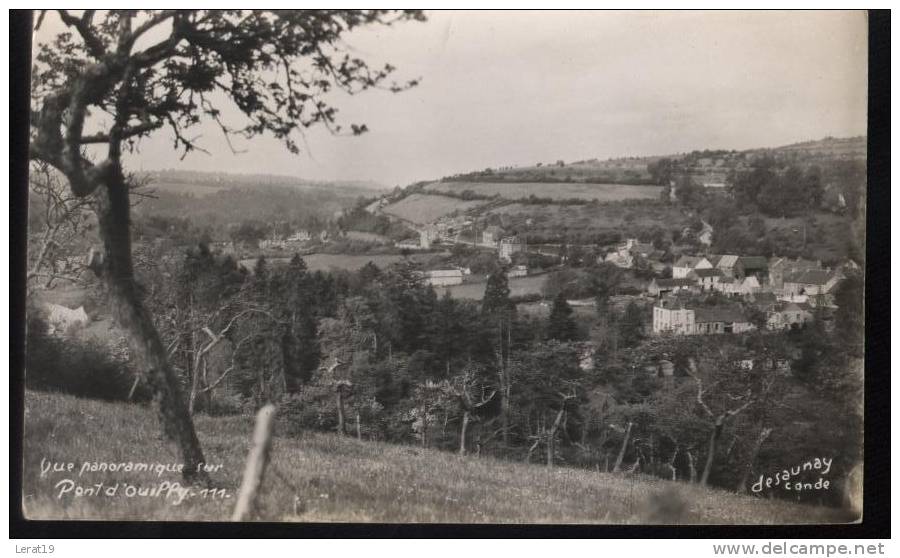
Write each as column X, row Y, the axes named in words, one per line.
column 425, row 208
column 552, row 190
column 323, row 477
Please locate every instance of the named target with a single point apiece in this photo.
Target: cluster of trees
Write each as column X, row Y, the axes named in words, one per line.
column 376, row 354
column 775, row 191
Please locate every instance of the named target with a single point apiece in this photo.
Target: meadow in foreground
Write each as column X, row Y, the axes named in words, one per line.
column 318, row 477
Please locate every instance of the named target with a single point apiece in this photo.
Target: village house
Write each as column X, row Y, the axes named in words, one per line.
column 673, row 317
column 408, row 244
column 720, row 319
column 726, row 263
column 517, row 271
column 752, row 265
column 509, row 246
column 706, row 278
column 299, row 236
column 779, row 268
column 491, row 235
column 810, row 283
column 624, row 255
column 787, row 315
column 738, row 287
column 444, row 277
column 661, row 287
column 619, row 258
column 427, row 236
column 687, row 264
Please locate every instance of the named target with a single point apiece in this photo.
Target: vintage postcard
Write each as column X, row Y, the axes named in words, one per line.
column 481, row 267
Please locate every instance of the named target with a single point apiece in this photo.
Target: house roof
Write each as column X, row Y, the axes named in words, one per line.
column 688, row 261
column 794, row 265
column 809, row 277
column 754, row 262
column 765, row 298
column 444, row 273
column 726, row 261
column 727, row 314
column 708, row 272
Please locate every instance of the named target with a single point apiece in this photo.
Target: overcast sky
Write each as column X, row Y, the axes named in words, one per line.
column 515, row 88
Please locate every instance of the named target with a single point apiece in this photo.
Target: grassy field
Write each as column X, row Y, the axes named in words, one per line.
column 322, row 477
column 350, row 262
column 196, row 189
column 424, row 208
column 518, row 286
column 554, row 190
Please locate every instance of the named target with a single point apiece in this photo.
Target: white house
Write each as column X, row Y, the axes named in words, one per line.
column 444, row 277
column 811, row 282
column 738, row 287
column 491, row 235
column 707, row 278
column 517, row 271
column 687, row 264
column 671, row 317
column 787, row 315
column 427, row 236
column 509, row 246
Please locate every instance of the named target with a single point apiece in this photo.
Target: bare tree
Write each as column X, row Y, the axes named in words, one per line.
column 464, row 389
column 63, row 219
column 618, row 464
column 554, row 428
column 145, row 70
column 741, row 403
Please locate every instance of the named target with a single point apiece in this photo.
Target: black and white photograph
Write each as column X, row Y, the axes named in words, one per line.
column 446, row 267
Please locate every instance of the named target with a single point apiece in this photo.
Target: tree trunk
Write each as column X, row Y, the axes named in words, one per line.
column 424, row 428
column 618, row 464
column 195, row 385
column 751, row 460
column 670, row 464
column 551, row 436
column 504, row 389
column 339, row 393
column 692, row 470
column 711, row 453
column 531, row 450
column 128, row 311
column 462, row 433
column 358, row 428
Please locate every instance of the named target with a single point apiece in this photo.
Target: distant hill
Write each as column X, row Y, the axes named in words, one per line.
column 203, row 183
column 709, row 165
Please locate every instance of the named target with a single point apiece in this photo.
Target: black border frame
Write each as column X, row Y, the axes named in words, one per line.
column 876, row 515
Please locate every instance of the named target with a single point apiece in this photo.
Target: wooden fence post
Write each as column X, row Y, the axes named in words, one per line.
column 257, row 460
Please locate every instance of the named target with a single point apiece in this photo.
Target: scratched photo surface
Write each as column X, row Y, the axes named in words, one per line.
column 446, row 267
